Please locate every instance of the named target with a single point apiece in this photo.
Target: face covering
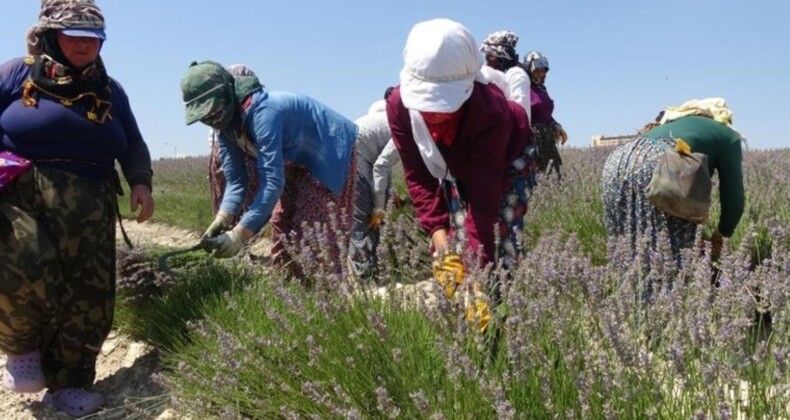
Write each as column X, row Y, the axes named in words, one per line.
column 221, row 118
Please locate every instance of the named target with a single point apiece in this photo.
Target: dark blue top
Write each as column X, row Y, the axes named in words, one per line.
column 54, row 135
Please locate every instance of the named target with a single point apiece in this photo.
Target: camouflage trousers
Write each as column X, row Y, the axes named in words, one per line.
column 57, row 281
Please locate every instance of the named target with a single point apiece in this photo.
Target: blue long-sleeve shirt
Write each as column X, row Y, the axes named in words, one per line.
column 54, row 135
column 284, row 127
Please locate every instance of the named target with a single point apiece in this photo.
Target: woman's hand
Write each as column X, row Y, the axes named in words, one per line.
column 560, row 135
column 439, row 241
column 141, row 196
column 716, row 244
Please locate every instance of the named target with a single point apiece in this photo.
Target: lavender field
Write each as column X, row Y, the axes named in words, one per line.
column 581, row 330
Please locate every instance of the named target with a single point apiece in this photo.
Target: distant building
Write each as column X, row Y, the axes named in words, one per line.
column 603, row 141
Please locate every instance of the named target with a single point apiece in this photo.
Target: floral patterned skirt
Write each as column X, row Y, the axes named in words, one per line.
column 627, row 211
column 519, row 183
column 306, row 201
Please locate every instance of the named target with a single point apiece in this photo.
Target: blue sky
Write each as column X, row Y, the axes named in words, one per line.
column 614, row 64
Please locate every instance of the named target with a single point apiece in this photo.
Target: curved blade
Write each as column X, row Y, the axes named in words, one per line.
column 164, row 257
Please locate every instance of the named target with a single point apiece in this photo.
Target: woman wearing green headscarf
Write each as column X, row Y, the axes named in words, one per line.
column 304, row 150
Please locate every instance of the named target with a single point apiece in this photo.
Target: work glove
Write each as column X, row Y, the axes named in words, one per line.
column 478, row 313
column 448, row 272
column 560, row 135
column 220, row 224
column 225, row 245
column 376, row 218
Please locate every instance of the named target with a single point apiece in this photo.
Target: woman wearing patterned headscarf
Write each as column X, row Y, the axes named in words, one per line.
column 503, row 68
column 68, row 122
column 548, row 132
column 304, row 153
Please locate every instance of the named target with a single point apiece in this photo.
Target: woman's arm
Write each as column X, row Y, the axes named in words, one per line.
column 266, row 131
column 731, row 191
column 382, row 172
column 429, row 205
column 519, row 85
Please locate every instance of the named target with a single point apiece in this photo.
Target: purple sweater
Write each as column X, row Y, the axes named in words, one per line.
column 492, row 133
column 542, row 106
column 61, row 137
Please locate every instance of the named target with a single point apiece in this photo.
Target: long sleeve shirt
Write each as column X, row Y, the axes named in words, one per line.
column 722, row 145
column 519, row 87
column 514, row 83
column 282, row 127
column 61, row 137
column 492, row 133
column 376, row 154
column 542, row 106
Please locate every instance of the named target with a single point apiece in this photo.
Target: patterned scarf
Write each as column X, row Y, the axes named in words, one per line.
column 502, row 46
column 51, row 76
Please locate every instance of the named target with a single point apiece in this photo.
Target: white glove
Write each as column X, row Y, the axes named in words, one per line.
column 225, row 245
column 220, row 224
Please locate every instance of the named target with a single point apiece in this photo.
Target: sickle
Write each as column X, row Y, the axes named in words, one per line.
column 163, row 266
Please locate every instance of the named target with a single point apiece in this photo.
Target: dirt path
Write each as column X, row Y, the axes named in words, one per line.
column 125, row 367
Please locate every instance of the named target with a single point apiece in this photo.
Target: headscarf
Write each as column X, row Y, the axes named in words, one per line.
column 213, row 95
column 52, row 74
column 238, row 71
column 441, row 64
column 715, row 108
column 501, row 44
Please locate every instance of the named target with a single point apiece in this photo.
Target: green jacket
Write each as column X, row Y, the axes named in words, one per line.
column 723, row 147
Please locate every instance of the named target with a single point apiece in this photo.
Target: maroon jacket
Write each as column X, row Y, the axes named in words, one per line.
column 492, row 133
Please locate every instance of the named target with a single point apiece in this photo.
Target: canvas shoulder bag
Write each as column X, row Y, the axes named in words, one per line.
column 681, row 184
column 11, row 166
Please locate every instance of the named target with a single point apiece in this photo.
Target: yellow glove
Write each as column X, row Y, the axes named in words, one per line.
column 560, row 135
column 478, row 311
column 449, row 272
column 376, row 218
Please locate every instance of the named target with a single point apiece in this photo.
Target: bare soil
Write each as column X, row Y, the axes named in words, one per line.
column 125, row 368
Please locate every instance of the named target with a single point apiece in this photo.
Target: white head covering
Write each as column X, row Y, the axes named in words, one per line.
column 715, row 108
column 441, row 62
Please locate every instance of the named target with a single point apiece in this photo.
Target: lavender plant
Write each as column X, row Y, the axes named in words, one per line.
column 585, row 327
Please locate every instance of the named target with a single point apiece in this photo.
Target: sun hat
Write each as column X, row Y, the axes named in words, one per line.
column 73, row 17
column 206, row 87
column 87, row 33
column 441, row 62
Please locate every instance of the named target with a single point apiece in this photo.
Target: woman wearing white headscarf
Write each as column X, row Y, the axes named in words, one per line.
column 464, row 148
